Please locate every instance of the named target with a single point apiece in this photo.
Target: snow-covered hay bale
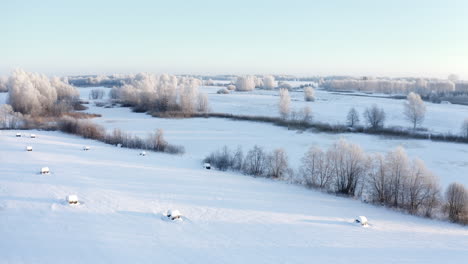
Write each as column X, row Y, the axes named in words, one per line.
column 143, row 153
column 72, row 199
column 207, row 166
column 45, row 170
column 28, row 148
column 361, row 220
column 173, row 214
column 33, row 135
column 86, row 148
column 18, row 134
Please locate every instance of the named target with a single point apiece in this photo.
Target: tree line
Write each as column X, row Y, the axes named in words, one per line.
column 392, row 180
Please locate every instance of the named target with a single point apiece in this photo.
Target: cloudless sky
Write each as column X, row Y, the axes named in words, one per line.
column 352, row 37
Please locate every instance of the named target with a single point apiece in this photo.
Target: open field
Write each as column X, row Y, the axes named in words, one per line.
column 229, row 218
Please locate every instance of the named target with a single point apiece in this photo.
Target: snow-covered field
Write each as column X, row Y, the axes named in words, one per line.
column 200, row 136
column 228, row 218
column 333, row 108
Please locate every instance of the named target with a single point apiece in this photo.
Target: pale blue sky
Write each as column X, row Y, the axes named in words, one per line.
column 360, row 37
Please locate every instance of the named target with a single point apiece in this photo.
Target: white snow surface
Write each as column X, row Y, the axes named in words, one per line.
column 200, row 136
column 333, row 107
column 229, row 218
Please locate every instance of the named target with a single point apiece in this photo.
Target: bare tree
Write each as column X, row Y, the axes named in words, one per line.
column 316, row 169
column 203, row 104
column 352, row 117
column 379, row 182
column 309, row 93
column 306, row 114
column 238, row 159
column 255, row 162
column 421, row 190
column 277, row 163
column 456, row 197
column 398, row 167
column 375, row 117
column 464, row 128
column 96, row 94
column 349, row 164
column 414, row 109
column 284, row 103
column 159, row 142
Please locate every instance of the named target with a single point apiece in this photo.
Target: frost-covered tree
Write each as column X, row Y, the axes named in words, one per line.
column 352, row 118
column 464, row 128
column 269, row 82
column 160, row 93
column 277, row 163
column 245, row 83
column 421, row 189
column 309, row 93
column 375, row 117
column 414, row 109
column 36, row 94
column 391, row 86
column 284, row 103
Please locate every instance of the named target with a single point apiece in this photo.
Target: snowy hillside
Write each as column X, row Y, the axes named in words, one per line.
column 228, row 218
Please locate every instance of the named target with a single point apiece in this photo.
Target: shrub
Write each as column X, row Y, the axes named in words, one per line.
column 96, row 94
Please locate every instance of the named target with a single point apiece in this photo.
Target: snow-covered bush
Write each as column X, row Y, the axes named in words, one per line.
column 309, row 94
column 269, row 82
column 245, row 83
column 231, row 87
column 223, row 91
column 208, row 82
